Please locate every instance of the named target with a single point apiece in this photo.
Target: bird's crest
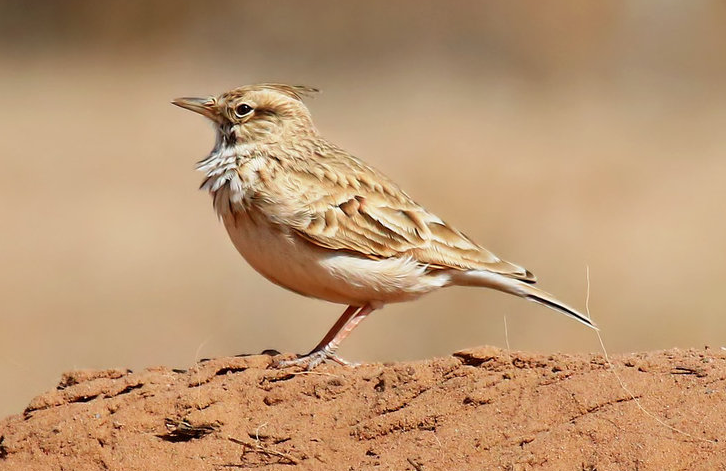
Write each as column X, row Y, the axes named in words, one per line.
column 297, row 92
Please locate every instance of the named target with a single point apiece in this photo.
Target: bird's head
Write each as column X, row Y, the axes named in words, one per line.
column 256, row 113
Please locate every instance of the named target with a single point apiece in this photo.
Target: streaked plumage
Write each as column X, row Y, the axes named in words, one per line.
column 314, row 219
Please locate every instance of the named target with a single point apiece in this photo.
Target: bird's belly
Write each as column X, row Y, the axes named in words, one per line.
column 295, row 264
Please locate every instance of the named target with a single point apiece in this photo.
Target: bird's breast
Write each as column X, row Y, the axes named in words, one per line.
column 293, row 263
column 279, row 256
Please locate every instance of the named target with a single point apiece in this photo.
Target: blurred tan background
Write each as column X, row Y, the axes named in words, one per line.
column 560, row 135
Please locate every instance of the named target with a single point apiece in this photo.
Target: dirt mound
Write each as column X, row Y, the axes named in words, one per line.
column 478, row 409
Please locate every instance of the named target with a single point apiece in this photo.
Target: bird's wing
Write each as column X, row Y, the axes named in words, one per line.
column 343, row 204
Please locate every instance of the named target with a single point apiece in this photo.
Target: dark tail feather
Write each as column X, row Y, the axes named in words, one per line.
column 518, row 288
column 552, row 303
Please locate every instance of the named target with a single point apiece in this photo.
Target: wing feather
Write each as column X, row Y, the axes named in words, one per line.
column 351, row 207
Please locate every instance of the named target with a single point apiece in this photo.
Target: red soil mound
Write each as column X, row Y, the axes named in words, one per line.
column 478, row 409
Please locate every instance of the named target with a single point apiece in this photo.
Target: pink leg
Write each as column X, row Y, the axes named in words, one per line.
column 325, row 350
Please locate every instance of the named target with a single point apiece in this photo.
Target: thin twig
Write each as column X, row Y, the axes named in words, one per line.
column 622, row 383
column 417, row 466
column 259, row 448
column 506, row 332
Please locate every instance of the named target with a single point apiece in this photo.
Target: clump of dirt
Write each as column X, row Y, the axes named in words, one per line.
column 483, row 408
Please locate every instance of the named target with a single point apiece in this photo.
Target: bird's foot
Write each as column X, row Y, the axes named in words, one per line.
column 313, row 359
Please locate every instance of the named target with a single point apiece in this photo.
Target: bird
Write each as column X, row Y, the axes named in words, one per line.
column 320, row 222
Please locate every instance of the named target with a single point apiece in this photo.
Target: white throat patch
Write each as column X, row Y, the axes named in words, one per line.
column 223, row 180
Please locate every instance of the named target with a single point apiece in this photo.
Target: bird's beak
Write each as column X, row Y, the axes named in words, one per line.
column 203, row 106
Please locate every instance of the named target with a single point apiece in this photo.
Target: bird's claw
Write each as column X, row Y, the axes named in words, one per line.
column 313, row 359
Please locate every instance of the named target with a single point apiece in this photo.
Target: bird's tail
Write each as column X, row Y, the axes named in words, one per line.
column 518, row 288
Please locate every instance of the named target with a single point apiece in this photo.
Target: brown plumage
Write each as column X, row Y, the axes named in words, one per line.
column 318, row 221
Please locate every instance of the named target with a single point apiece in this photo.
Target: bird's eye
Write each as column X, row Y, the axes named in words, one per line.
column 242, row 110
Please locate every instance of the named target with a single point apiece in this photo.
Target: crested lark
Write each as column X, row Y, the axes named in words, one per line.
column 312, row 218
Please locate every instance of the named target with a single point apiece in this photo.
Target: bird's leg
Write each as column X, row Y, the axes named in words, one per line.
column 325, row 350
